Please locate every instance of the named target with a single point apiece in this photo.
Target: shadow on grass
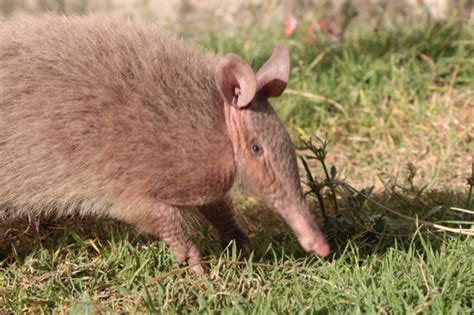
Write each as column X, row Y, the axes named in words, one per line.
column 371, row 230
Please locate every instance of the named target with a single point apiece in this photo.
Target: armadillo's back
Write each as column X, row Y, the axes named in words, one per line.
column 92, row 107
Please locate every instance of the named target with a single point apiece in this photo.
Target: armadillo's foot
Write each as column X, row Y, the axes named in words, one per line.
column 171, row 230
column 187, row 252
column 222, row 216
column 166, row 222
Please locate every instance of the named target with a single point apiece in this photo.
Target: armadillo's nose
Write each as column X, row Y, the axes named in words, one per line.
column 315, row 243
column 321, row 250
column 302, row 222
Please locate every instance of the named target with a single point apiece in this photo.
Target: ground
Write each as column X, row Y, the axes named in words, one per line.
column 396, row 103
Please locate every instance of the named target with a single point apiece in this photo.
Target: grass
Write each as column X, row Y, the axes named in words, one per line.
column 397, row 106
column 107, row 267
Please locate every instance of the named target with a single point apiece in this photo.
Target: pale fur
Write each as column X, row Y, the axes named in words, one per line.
column 92, row 107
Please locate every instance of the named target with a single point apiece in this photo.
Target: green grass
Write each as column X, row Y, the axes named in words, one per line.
column 403, row 95
column 109, row 268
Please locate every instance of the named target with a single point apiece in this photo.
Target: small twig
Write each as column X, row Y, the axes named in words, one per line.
column 431, row 63
column 320, row 155
column 315, row 187
column 462, row 210
column 331, row 187
column 349, row 13
column 470, row 182
column 173, row 272
column 452, row 81
column 318, row 98
column 426, row 299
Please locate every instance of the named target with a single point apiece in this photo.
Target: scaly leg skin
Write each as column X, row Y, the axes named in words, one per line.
column 166, row 222
column 222, row 216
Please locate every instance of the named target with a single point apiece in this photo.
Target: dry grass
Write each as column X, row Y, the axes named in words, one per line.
column 440, row 148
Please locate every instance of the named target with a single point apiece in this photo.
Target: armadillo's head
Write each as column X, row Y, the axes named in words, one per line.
column 264, row 153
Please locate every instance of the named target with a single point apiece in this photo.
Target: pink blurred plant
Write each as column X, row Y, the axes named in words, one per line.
column 290, row 24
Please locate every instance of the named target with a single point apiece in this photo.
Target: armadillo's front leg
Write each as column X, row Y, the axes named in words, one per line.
column 222, row 216
column 166, row 222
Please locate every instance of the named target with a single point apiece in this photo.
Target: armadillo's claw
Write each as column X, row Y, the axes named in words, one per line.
column 198, row 267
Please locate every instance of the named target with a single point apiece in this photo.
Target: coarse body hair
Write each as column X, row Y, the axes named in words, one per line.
column 96, row 111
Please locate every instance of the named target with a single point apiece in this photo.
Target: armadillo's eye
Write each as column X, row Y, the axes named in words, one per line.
column 256, row 149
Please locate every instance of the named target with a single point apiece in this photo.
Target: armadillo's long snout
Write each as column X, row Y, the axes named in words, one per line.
column 310, row 236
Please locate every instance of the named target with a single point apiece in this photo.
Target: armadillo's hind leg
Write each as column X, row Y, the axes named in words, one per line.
column 166, row 222
column 222, row 216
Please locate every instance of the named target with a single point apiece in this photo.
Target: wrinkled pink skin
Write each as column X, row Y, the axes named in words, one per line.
column 274, row 175
column 113, row 118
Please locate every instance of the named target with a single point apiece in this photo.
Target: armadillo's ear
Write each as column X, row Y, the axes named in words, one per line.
column 272, row 78
column 235, row 80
